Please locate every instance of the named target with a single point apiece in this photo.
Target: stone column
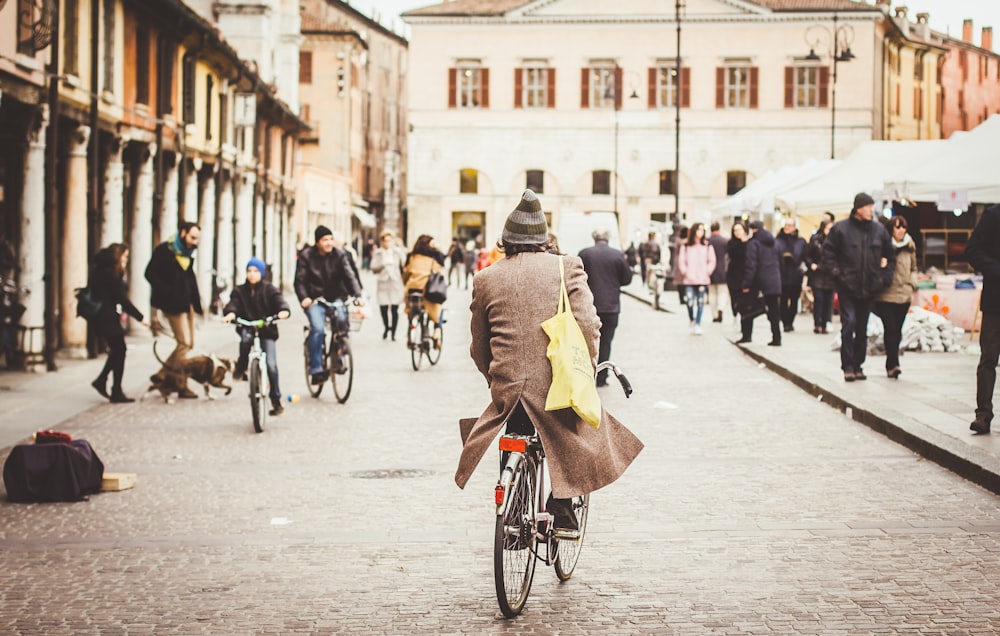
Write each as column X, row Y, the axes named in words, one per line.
column 244, row 223
column 113, row 225
column 73, row 245
column 206, row 252
column 168, row 219
column 141, row 239
column 32, row 253
column 224, row 258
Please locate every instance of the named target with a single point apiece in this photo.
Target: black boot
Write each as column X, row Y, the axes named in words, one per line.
column 117, row 397
column 101, row 386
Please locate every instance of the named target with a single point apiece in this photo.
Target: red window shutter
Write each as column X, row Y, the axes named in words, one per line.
column 452, row 87
column 824, row 86
column 685, row 87
column 618, row 88
column 753, row 87
column 484, row 82
column 585, row 88
column 651, row 87
column 789, row 87
column 518, row 88
column 305, row 67
column 550, row 87
column 720, row 87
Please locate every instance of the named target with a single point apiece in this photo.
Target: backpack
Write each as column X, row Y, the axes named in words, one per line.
column 87, row 304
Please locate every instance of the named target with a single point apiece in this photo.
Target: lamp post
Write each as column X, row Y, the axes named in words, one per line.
column 611, row 92
column 677, row 115
column 840, row 39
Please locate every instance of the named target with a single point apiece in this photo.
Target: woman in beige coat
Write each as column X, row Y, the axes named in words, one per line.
column 892, row 304
column 387, row 263
column 424, row 260
column 510, row 300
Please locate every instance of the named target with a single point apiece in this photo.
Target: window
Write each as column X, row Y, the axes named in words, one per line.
column 736, row 86
column 71, row 33
column 668, row 182
column 918, row 103
column 664, row 87
column 468, row 87
column 142, row 65
column 188, row 89
column 736, row 180
column 468, row 181
column 305, row 67
column 806, row 86
column 535, row 87
column 601, row 182
column 209, row 97
column 601, row 87
column 224, row 117
column 536, row 181
column 109, row 45
column 165, row 56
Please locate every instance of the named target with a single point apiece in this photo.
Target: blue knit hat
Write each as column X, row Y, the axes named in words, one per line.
column 259, row 264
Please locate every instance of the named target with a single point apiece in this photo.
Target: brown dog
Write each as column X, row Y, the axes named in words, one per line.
column 207, row 370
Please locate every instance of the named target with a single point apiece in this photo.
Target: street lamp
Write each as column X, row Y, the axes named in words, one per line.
column 840, row 38
column 677, row 115
column 611, row 92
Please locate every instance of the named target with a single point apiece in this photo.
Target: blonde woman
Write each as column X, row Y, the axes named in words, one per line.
column 387, row 264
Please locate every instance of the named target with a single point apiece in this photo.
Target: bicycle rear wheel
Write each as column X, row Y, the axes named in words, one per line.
column 314, row 389
column 433, row 352
column 257, row 407
column 342, row 382
column 568, row 550
column 514, row 543
column 414, row 340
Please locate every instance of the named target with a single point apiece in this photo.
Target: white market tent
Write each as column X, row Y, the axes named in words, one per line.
column 967, row 162
column 758, row 197
column 865, row 170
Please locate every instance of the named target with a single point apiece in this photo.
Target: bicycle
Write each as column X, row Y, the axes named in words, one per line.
column 654, row 276
column 523, row 524
column 420, row 338
column 336, row 346
column 260, row 386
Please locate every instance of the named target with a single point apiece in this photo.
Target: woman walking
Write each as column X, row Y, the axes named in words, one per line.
column 736, row 266
column 892, row 304
column 696, row 263
column 107, row 283
column 387, row 263
column 820, row 280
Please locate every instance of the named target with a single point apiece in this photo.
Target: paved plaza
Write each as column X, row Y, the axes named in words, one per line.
column 755, row 508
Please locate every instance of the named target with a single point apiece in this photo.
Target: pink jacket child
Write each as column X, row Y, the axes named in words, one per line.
column 696, row 264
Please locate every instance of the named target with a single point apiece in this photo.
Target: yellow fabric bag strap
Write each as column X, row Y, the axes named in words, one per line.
column 563, row 294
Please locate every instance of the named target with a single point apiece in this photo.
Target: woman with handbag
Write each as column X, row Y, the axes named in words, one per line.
column 387, row 264
column 510, row 301
column 107, row 284
column 425, row 259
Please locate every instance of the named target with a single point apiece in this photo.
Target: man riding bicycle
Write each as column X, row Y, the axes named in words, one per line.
column 324, row 271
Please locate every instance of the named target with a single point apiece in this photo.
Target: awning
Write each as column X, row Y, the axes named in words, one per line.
column 366, row 218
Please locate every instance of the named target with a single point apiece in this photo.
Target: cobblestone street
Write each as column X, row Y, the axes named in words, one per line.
column 754, row 509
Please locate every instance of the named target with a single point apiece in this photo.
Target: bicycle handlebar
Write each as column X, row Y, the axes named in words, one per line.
column 355, row 300
column 626, row 385
column 257, row 324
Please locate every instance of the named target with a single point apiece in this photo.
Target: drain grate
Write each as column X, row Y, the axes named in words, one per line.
column 392, row 473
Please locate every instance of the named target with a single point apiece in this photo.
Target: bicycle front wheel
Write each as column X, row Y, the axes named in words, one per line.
column 257, row 407
column 433, row 347
column 342, row 382
column 514, row 543
column 568, row 550
column 414, row 340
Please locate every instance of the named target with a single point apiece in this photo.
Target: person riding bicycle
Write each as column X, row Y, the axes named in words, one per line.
column 424, row 260
column 254, row 300
column 510, row 300
column 323, row 270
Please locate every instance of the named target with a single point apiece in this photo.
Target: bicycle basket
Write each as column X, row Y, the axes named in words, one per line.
column 356, row 317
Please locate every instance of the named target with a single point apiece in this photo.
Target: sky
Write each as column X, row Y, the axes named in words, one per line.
column 946, row 15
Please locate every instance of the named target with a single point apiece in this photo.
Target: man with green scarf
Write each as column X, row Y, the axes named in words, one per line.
column 171, row 276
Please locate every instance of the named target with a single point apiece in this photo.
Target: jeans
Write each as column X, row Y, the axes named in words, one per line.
column 822, row 307
column 609, row 322
column 853, row 331
column 892, row 315
column 270, row 348
column 986, row 372
column 317, row 330
column 695, row 297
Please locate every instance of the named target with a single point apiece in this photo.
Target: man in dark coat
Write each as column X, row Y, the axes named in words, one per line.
column 323, row 270
column 983, row 252
column 793, row 250
column 171, row 276
column 859, row 256
column 607, row 272
column 718, row 278
column 762, row 276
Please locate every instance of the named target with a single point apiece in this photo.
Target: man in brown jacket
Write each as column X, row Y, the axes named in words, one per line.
column 510, row 300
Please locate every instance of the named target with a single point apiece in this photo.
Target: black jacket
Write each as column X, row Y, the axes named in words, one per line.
column 175, row 290
column 330, row 276
column 108, row 287
column 718, row 243
column 852, row 253
column 983, row 252
column 736, row 263
column 253, row 302
column 819, row 278
column 792, row 250
column 763, row 272
column 607, row 273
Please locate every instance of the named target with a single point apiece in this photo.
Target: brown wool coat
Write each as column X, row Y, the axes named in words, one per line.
column 510, row 300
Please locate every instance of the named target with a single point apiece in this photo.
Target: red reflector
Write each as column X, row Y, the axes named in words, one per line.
column 499, row 494
column 512, row 445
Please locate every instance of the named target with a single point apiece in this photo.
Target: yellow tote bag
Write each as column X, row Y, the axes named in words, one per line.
column 572, row 368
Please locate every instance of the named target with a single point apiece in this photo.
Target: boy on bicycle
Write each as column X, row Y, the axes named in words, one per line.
column 254, row 300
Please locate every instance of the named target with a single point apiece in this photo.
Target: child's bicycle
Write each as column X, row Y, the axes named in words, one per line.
column 260, row 386
column 524, row 526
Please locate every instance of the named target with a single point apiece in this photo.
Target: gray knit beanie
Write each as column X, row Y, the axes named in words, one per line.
column 526, row 224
